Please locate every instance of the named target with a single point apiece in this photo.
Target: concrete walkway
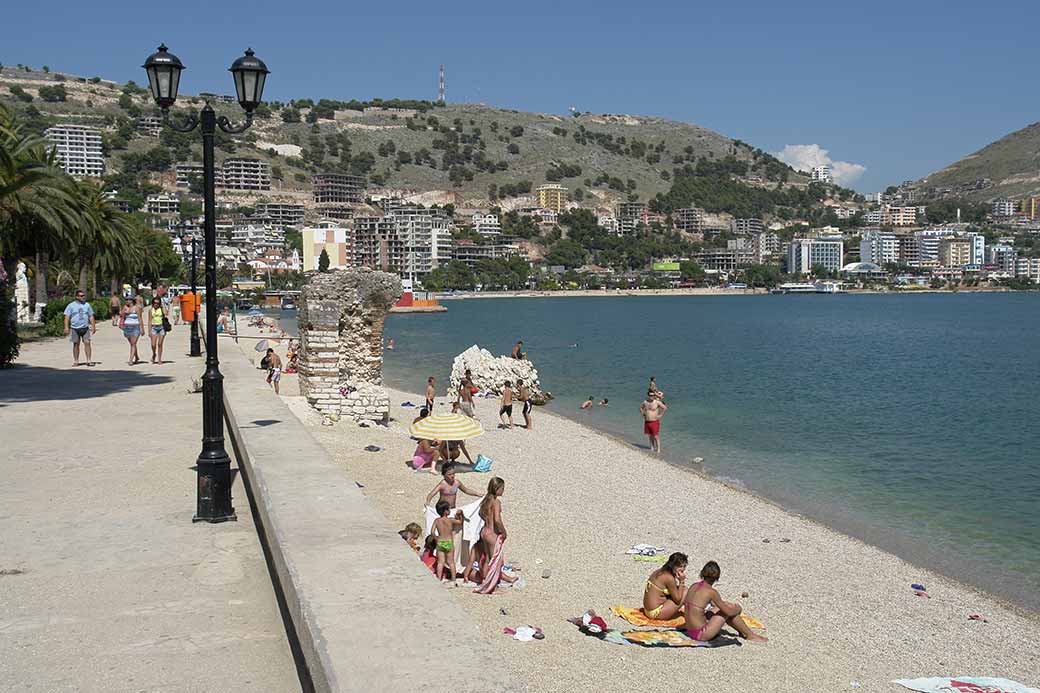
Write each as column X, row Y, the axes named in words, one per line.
column 105, row 583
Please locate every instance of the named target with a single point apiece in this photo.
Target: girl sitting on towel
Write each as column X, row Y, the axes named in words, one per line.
column 665, row 589
column 702, row 624
column 449, row 488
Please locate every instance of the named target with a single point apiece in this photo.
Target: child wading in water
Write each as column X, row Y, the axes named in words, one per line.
column 444, row 530
column 705, row 625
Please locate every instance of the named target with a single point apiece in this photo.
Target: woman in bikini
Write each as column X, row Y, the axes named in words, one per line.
column 491, row 514
column 702, row 624
column 666, row 589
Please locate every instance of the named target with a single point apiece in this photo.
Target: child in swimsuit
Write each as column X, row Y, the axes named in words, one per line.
column 449, row 488
column 704, row 624
column 429, row 554
column 666, row 589
column 411, row 533
column 444, row 530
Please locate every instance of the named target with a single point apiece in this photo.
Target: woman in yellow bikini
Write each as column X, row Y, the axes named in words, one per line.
column 666, row 589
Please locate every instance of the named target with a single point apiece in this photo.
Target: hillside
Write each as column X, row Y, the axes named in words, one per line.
column 1010, row 167
column 472, row 151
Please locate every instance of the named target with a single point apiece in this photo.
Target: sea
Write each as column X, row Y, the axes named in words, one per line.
column 909, row 421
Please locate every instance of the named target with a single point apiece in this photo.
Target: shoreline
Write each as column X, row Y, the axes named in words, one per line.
column 589, row 293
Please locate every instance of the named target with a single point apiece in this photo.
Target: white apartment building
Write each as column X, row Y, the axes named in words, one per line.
column 149, row 125
column 487, row 224
column 426, row 234
column 257, row 239
column 1028, row 267
column 766, row 246
column 162, row 203
column 821, row 174
column 247, row 174
column 804, row 253
column 192, row 169
column 978, row 248
column 78, row 148
column 879, row 248
column 1004, row 208
column 609, row 224
column 873, row 217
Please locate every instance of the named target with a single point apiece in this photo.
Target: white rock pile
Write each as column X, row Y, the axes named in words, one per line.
column 490, row 372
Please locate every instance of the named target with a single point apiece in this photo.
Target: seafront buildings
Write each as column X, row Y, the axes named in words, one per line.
column 804, row 254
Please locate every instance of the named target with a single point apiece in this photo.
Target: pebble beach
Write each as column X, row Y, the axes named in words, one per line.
column 839, row 613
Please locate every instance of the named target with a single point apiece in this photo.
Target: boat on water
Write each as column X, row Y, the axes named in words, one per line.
column 288, row 303
column 808, row 288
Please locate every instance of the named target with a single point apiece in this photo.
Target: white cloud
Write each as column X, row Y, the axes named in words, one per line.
column 804, row 156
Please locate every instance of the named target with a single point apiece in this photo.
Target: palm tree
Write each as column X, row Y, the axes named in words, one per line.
column 104, row 237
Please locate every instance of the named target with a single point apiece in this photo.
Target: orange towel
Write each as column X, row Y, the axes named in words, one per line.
column 636, row 617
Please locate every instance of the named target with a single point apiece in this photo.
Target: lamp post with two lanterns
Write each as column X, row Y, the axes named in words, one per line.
column 213, row 494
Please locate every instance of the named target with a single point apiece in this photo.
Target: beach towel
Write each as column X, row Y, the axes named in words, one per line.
column 483, row 464
column 645, row 550
column 470, row 529
column 651, row 638
column 494, row 569
column 636, row 617
column 965, row 684
column 650, row 559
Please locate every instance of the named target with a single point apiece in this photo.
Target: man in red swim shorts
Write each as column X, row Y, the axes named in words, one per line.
column 652, row 410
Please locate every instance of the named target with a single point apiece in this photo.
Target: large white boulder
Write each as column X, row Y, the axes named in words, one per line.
column 490, row 373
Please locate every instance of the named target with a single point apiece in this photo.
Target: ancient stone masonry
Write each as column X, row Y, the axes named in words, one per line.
column 341, row 316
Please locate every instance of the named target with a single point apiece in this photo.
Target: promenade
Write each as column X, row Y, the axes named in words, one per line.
column 105, row 583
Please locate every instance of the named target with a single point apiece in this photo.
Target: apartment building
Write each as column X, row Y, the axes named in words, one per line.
column 1004, row 208
column 632, row 211
column 426, row 234
column 954, row 252
column 690, row 219
column 898, row 216
column 247, row 174
column 1004, row 257
column 376, row 243
column 978, row 248
column 805, row 253
column 1028, row 267
column 471, row 253
column 766, row 246
column 552, row 196
column 338, row 189
column 149, row 125
column 725, row 259
column 1031, row 208
column 747, row 226
column 281, row 213
column 192, row 169
column 487, row 224
column 821, row 174
column 78, row 148
column 256, row 239
column 162, row 203
column 879, row 248
column 334, row 239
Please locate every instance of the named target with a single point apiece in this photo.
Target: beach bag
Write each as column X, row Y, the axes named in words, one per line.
column 167, row 327
column 483, row 464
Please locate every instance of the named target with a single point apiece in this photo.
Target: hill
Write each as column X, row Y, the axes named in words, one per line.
column 472, row 152
column 1009, row 167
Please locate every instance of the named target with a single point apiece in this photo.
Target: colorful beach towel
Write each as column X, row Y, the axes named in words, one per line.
column 637, row 617
column 965, row 684
column 493, row 574
column 652, row 638
column 650, row 559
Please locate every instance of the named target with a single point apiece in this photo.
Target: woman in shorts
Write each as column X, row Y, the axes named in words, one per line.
column 156, row 313
column 131, row 322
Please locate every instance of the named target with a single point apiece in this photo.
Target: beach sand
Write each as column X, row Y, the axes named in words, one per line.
column 836, row 610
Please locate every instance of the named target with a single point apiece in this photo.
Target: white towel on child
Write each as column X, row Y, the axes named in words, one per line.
column 470, row 529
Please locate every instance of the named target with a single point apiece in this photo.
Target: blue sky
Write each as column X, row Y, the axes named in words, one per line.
column 897, row 88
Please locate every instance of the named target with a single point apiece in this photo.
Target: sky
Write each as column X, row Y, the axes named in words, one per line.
column 884, row 91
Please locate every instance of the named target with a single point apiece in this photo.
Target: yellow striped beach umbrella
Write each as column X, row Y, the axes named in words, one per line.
column 446, row 427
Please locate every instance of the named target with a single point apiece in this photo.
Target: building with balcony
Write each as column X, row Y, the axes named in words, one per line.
column 690, row 219
column 162, row 203
column 1003, row 257
column 1029, row 268
column 193, row 170
column 149, row 125
column 821, row 174
column 747, row 226
column 552, row 196
column 334, row 239
column 247, row 174
column 426, row 234
column 487, row 224
column 1004, row 208
column 376, row 243
column 725, row 259
column 78, row 149
column 805, row 253
column 954, row 252
column 338, row 189
column 281, row 213
column 898, row 216
column 879, row 248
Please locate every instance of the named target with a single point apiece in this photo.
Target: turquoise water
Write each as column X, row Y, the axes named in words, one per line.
column 908, row 421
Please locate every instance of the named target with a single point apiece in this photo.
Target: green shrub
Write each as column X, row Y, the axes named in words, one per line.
column 53, row 314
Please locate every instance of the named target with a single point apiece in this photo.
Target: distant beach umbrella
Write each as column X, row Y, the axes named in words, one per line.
column 261, row 345
column 446, row 427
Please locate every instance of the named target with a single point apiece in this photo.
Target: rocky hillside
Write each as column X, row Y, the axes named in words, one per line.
column 471, row 151
column 1010, row 167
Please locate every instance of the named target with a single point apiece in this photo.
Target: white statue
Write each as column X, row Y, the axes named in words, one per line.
column 21, row 294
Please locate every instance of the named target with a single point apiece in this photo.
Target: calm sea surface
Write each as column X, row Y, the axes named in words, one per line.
column 912, row 422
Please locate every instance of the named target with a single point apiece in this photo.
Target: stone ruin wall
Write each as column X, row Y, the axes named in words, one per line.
column 341, row 315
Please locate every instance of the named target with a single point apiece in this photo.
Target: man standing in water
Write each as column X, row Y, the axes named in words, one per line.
column 652, row 410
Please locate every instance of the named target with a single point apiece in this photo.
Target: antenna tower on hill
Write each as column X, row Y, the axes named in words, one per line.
column 440, row 86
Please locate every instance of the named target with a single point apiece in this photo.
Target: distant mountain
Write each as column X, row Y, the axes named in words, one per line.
column 1010, row 167
column 461, row 149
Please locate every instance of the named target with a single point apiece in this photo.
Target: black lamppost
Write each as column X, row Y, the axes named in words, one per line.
column 196, row 348
column 213, row 497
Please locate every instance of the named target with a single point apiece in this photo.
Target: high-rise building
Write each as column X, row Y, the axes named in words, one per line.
column 338, row 189
column 978, row 248
column 377, row 244
column 426, row 234
column 805, row 253
column 898, row 216
column 1004, row 208
column 879, row 248
column 955, row 252
column 162, row 203
column 247, row 174
column 78, row 148
column 765, row 246
column 552, row 196
column 334, row 239
column 1003, row 257
column 821, row 174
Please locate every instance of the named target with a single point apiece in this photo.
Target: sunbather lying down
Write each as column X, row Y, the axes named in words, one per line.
column 704, row 624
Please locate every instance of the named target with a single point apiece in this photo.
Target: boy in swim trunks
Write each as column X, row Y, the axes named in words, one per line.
column 507, row 406
column 274, row 369
column 525, row 397
column 444, row 530
column 652, row 410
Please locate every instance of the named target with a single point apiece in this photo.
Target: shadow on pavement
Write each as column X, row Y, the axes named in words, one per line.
column 42, row 384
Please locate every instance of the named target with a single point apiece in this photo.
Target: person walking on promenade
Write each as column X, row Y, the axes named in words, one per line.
column 507, row 406
column 114, row 305
column 652, row 410
column 79, row 325
column 525, row 397
column 430, row 393
column 156, row 329
column 131, row 321
column 274, row 369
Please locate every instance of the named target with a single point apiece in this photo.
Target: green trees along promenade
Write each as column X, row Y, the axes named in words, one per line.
column 64, row 230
